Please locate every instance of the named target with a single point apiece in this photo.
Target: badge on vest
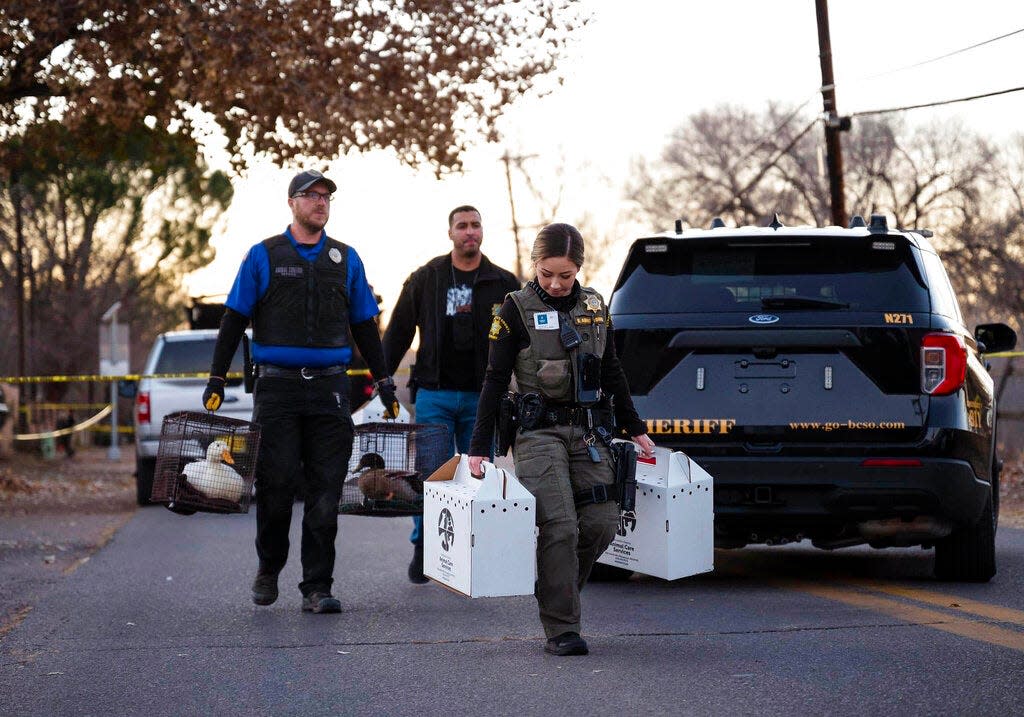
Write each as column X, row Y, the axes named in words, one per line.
column 545, row 321
column 335, row 255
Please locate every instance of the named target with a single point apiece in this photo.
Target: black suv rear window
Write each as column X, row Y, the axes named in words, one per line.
column 191, row 357
column 830, row 273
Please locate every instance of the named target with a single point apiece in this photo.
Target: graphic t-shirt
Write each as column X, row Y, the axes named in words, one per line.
column 458, row 367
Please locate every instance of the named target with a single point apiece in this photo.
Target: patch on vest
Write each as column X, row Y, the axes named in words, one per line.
column 292, row 271
column 497, row 327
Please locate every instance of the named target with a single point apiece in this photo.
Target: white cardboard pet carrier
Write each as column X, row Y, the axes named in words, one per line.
column 671, row 533
column 479, row 535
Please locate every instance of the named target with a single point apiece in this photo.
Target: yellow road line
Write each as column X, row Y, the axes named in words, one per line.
column 954, row 624
column 951, row 602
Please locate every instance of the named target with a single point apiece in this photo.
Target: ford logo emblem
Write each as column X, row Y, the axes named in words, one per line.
column 763, row 319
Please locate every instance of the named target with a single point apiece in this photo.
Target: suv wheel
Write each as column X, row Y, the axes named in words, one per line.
column 144, row 470
column 968, row 554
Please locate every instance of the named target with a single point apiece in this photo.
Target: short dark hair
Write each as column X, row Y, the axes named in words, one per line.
column 462, row 208
column 558, row 240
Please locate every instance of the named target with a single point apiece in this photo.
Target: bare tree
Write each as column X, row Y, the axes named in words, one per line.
column 745, row 166
column 985, row 250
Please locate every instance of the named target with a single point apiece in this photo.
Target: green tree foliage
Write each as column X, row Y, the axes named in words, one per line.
column 108, row 215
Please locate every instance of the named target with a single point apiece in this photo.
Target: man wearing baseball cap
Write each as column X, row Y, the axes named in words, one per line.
column 308, row 299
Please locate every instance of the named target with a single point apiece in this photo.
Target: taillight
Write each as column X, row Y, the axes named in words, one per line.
column 943, row 364
column 142, row 414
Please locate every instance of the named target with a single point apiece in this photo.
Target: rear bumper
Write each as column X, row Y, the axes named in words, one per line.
column 759, row 492
column 146, row 447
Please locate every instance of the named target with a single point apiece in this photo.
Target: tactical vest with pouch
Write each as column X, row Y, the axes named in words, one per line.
column 545, row 366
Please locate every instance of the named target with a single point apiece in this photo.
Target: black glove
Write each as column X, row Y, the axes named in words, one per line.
column 213, row 396
column 386, row 391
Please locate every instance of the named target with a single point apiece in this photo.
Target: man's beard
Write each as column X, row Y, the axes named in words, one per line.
column 469, row 253
column 313, row 226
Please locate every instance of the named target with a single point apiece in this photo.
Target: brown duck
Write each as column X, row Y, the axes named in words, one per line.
column 378, row 483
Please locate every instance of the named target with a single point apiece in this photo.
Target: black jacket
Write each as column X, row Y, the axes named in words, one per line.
column 421, row 305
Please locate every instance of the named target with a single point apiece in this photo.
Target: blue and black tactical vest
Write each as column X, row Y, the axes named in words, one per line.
column 306, row 303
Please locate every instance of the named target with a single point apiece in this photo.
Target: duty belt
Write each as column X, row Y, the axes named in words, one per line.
column 600, row 493
column 569, row 415
column 269, row 370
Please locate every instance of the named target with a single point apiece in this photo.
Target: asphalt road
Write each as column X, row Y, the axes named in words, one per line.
column 159, row 622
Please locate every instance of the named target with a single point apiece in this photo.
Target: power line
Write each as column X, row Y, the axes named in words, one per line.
column 935, row 104
column 940, row 57
column 767, row 136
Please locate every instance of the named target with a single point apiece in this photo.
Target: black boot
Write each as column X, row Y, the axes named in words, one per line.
column 568, row 643
column 264, row 588
column 416, row 565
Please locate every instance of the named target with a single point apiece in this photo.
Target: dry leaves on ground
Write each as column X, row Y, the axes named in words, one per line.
column 86, row 482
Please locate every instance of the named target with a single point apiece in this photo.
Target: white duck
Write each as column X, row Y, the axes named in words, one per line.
column 214, row 479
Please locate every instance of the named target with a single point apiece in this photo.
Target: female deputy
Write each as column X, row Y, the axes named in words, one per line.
column 554, row 334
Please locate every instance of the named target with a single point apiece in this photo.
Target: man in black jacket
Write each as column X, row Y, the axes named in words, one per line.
column 452, row 301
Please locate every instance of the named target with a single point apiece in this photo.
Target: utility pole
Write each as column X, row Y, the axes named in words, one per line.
column 19, row 234
column 508, row 159
column 833, row 122
column 113, row 364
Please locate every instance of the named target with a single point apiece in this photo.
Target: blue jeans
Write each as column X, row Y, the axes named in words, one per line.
column 455, row 409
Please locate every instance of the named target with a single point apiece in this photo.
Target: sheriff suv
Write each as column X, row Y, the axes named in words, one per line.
column 825, row 378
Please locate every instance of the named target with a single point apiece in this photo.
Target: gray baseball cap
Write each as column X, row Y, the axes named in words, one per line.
column 306, row 179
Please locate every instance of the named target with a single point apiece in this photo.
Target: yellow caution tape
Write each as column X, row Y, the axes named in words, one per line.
column 66, row 431
column 61, row 406
column 94, row 377
column 139, row 376
column 122, row 430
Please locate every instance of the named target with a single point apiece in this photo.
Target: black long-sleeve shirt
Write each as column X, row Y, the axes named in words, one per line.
column 510, row 337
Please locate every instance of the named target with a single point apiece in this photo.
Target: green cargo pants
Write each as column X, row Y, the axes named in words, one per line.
column 553, row 463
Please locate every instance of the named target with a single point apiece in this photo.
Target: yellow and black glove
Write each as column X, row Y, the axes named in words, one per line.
column 213, row 396
column 386, row 391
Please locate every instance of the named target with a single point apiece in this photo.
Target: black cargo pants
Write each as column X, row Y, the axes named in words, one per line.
column 305, row 445
column 553, row 464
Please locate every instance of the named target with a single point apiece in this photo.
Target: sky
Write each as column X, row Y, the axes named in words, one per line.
column 633, row 74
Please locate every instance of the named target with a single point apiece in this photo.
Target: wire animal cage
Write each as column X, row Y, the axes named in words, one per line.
column 389, row 463
column 205, row 463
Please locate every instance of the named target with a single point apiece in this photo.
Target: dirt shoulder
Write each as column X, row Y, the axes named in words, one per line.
column 54, row 514
column 1011, row 493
